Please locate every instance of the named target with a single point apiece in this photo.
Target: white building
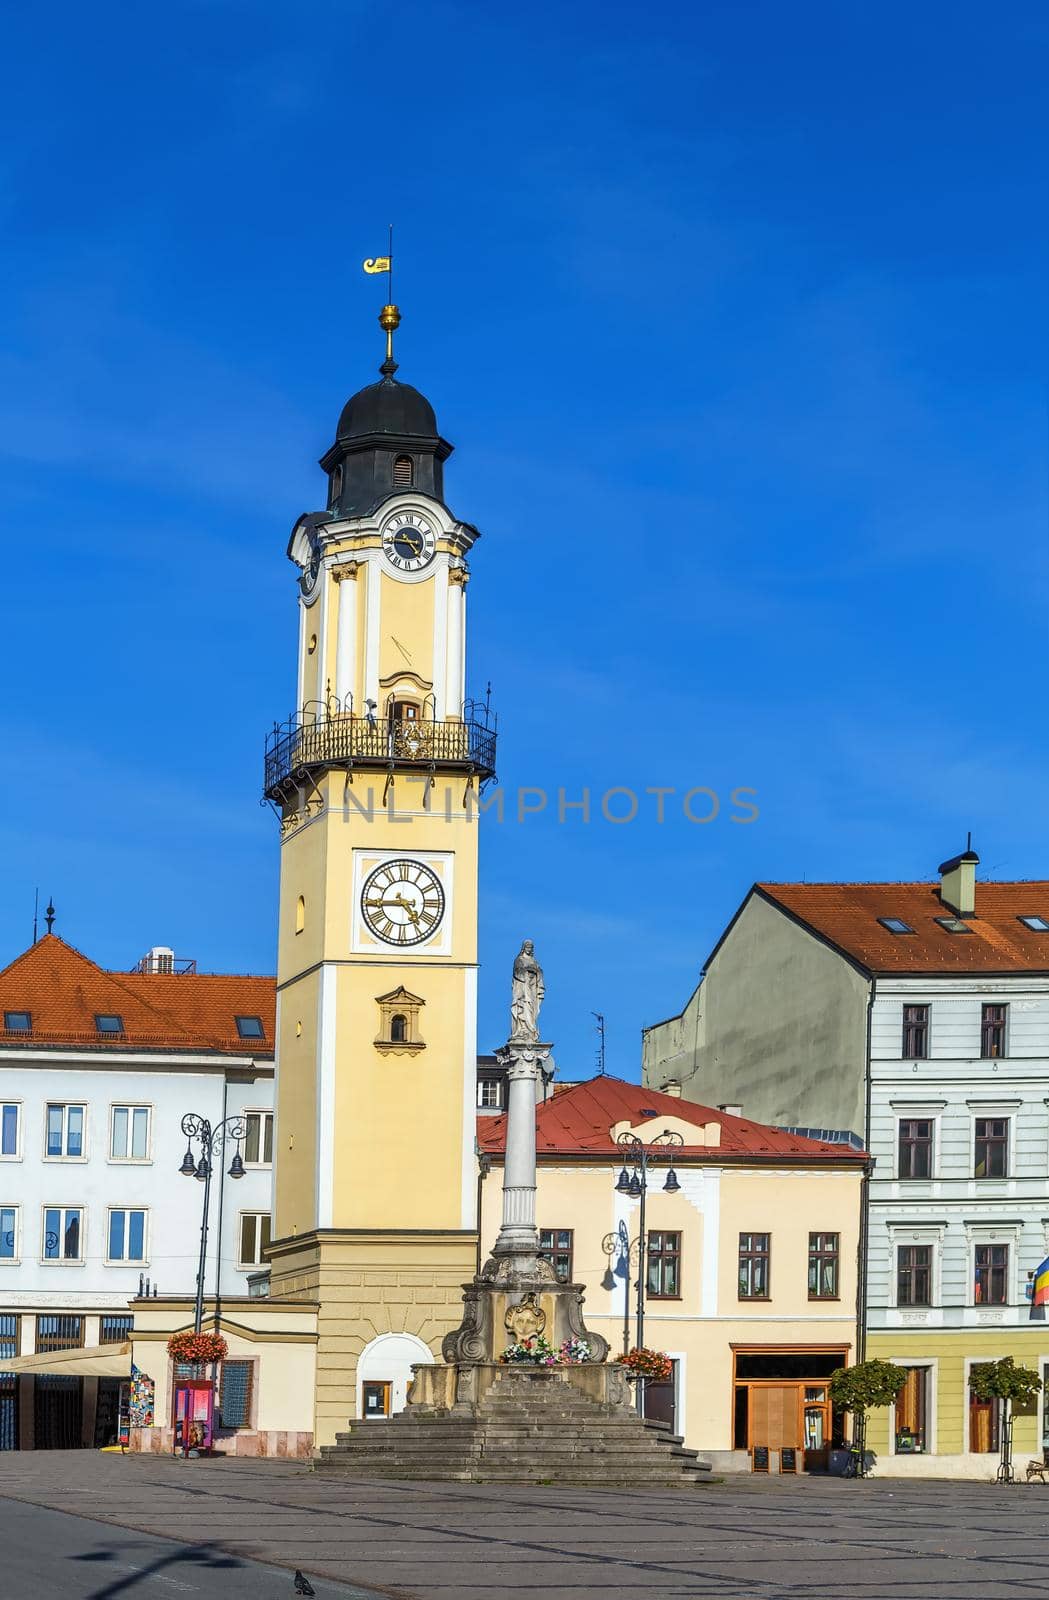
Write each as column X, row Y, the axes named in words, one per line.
column 97, row 1070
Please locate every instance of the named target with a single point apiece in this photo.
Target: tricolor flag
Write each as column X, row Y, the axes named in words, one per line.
column 1040, row 1292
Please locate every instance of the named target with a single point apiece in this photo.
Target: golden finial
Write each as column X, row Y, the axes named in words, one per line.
column 389, row 316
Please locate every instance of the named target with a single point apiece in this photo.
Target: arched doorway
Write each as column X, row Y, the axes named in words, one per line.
column 384, row 1371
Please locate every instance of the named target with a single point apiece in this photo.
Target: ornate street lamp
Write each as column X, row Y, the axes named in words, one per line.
column 212, row 1140
column 634, row 1184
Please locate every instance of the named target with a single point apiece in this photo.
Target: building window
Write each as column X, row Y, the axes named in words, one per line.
column 254, row 1237
column 398, row 1028
column 250, row 1027
column 8, row 1233
column 1036, row 924
column 953, row 924
column 129, row 1134
column 914, row 1275
column 754, row 1266
column 664, row 1266
column 127, row 1236
column 399, row 1022
column 992, row 1148
column 63, row 1233
column 489, row 1094
column 403, row 472
column 65, row 1132
column 109, row 1023
column 115, row 1328
column 335, row 488
column 915, row 1033
column 18, row 1021
column 991, row 1275
column 300, row 913
column 912, row 1413
column 895, row 924
column 555, row 1246
column 258, row 1141
column 915, row 1146
column 9, row 1130
column 823, row 1266
column 992, row 1032
column 236, row 1382
column 59, row 1333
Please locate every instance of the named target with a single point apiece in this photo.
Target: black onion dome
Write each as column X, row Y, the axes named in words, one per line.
column 387, row 407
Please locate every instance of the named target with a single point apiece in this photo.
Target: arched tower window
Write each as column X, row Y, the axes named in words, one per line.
column 300, row 914
column 398, row 1029
column 403, row 472
column 335, row 489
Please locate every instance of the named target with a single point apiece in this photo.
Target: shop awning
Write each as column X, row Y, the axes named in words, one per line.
column 99, row 1361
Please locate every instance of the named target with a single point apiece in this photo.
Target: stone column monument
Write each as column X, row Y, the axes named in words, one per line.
column 516, row 1295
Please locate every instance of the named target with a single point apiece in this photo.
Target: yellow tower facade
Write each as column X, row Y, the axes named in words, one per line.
column 375, row 779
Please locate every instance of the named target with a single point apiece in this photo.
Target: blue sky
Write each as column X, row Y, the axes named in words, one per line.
column 736, row 314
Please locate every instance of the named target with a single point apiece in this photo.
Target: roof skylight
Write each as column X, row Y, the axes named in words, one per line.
column 1036, row 924
column 953, row 925
column 895, row 924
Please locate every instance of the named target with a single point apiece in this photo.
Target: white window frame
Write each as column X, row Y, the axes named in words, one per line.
column 932, row 1367
column 261, row 1111
column 18, row 1129
column 490, row 1083
column 990, row 1234
column 923, row 1111
column 1006, row 1110
column 125, row 1260
column 15, row 1259
column 67, row 1106
column 903, row 1233
column 251, row 1266
column 131, row 1106
column 63, row 1261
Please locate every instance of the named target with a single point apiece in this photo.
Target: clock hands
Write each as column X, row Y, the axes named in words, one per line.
column 398, row 900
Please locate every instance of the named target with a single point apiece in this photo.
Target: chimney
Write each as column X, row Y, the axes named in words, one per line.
column 958, row 881
column 731, row 1111
column 673, row 1088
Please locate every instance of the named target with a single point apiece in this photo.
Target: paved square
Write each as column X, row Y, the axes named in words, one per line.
column 763, row 1539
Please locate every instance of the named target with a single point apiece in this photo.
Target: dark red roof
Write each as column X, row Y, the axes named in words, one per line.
column 846, row 914
column 579, row 1122
column 64, row 991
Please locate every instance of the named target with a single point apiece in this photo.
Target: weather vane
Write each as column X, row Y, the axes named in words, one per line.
column 389, row 316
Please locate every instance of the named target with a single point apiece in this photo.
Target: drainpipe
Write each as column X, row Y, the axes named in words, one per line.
column 864, row 1240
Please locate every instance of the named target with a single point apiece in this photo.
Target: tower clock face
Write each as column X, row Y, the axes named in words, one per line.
column 409, row 541
column 402, row 902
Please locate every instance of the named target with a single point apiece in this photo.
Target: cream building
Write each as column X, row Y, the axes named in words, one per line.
column 750, row 1266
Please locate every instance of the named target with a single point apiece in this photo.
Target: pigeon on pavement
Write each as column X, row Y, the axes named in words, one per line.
column 303, row 1585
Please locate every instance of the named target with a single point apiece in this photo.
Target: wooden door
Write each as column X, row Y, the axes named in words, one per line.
column 773, row 1415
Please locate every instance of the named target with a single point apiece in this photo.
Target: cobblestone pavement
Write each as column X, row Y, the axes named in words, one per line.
column 746, row 1539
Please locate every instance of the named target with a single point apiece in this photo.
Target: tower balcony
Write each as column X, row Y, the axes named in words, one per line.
column 322, row 736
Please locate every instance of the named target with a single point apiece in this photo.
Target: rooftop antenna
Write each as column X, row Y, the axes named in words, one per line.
column 601, row 1042
column 49, row 914
column 36, row 912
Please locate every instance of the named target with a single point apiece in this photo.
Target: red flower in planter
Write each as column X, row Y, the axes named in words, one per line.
column 652, row 1365
column 197, row 1348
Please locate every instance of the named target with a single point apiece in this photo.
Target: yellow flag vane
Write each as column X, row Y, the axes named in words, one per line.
column 389, row 316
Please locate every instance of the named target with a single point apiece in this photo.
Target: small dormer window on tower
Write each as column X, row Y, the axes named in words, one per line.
column 403, row 472
column 335, row 488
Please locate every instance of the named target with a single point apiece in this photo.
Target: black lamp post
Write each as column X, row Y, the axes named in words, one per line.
column 211, row 1140
column 638, row 1155
column 625, row 1250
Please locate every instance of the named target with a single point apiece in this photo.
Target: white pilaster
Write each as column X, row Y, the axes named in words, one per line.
column 346, row 635
column 470, row 1218
column 456, row 653
column 371, row 631
column 441, row 691
column 300, row 688
column 326, row 1021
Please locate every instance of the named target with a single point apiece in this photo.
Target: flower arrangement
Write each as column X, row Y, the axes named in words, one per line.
column 539, row 1352
column 652, row 1365
column 197, row 1347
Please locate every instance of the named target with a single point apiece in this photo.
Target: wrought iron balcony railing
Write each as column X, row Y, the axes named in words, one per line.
column 340, row 739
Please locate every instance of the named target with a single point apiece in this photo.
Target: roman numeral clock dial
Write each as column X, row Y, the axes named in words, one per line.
column 408, row 541
column 402, row 902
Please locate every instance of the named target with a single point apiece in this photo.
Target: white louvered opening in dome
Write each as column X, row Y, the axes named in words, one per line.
column 403, row 472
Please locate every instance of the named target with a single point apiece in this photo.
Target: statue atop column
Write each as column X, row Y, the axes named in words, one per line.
column 526, row 994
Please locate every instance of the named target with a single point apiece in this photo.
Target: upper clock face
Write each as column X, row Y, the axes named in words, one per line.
column 409, row 541
column 402, row 902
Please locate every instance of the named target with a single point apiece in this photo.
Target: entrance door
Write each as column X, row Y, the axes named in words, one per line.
column 57, row 1412
column 376, row 1397
column 774, row 1419
column 815, row 1427
column 661, row 1401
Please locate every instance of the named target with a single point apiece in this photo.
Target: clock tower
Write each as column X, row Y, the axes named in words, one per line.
column 375, row 779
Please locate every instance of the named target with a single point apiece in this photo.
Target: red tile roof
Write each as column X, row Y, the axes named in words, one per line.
column 579, row 1122
column 846, row 914
column 195, row 1012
